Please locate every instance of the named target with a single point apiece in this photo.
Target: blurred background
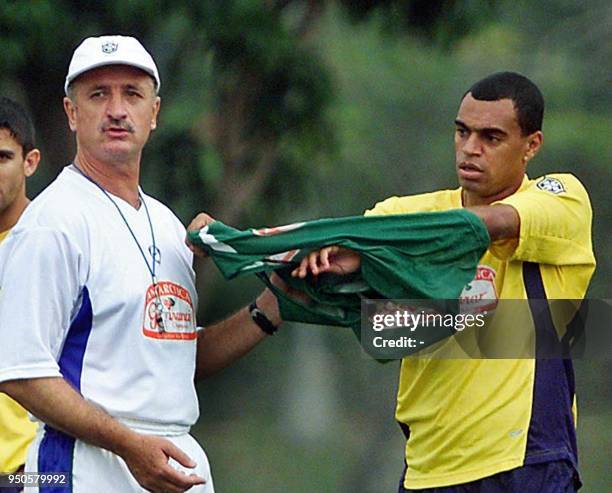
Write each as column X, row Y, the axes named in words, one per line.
column 279, row 110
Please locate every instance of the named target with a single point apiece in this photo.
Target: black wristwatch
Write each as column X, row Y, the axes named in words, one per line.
column 261, row 319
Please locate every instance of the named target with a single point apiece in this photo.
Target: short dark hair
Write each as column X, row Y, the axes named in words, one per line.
column 525, row 95
column 15, row 119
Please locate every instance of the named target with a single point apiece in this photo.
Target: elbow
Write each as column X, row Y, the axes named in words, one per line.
column 506, row 224
column 11, row 388
column 502, row 221
column 205, row 371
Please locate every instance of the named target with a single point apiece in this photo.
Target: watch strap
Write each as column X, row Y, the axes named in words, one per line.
column 261, row 319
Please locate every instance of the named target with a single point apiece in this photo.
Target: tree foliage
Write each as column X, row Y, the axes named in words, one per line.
column 245, row 93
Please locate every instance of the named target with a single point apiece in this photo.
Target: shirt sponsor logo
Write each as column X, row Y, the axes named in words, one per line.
column 480, row 295
column 168, row 312
column 551, row 185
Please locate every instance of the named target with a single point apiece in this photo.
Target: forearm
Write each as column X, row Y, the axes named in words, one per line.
column 222, row 343
column 502, row 221
column 56, row 403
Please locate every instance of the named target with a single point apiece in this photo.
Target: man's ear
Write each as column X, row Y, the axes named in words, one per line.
column 156, row 106
column 30, row 163
column 70, row 110
column 534, row 143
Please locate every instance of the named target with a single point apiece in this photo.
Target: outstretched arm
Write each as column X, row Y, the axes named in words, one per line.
column 220, row 344
column 502, row 222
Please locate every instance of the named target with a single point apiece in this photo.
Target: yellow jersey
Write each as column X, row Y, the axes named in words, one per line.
column 466, row 419
column 16, row 429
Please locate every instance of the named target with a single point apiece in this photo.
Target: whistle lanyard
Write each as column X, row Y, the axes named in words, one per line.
column 150, row 268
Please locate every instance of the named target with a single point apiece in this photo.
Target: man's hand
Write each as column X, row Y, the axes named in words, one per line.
column 334, row 259
column 147, row 459
column 198, row 222
column 54, row 401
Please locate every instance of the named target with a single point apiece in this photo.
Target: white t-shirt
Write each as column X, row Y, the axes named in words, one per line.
column 77, row 300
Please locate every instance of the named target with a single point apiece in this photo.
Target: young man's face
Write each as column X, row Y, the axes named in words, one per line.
column 14, row 168
column 113, row 111
column 491, row 153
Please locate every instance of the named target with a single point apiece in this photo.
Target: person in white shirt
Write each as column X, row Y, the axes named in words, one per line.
column 103, row 298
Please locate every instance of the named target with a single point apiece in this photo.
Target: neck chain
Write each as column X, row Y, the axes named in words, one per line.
column 150, row 267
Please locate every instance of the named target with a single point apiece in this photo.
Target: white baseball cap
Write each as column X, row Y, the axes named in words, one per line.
column 110, row 50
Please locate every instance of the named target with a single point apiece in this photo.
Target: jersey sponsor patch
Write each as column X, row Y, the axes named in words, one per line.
column 168, row 312
column 551, row 185
column 479, row 295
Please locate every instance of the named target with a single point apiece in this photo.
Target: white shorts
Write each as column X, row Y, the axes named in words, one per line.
column 96, row 470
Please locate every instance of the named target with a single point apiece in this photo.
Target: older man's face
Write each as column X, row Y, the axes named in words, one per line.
column 113, row 110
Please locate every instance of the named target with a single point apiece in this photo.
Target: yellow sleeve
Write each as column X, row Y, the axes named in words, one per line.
column 440, row 200
column 16, row 434
column 391, row 205
column 556, row 217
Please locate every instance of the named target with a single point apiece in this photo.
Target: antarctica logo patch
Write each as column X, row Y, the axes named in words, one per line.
column 169, row 313
column 551, row 185
column 480, row 295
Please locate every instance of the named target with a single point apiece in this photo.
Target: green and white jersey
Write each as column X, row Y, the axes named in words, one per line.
column 412, row 256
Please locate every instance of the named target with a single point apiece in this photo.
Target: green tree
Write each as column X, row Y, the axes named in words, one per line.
column 245, row 93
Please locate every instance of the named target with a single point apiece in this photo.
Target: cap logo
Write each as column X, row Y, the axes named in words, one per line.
column 109, row 47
